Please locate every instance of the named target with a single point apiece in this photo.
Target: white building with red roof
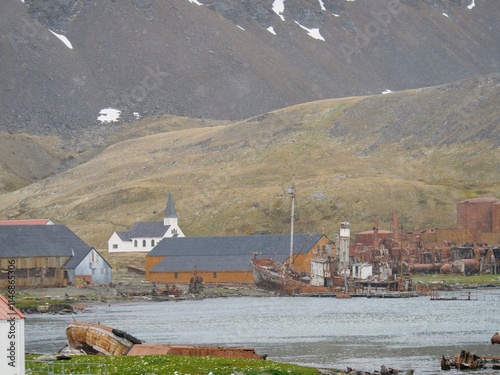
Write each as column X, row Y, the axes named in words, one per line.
column 12, row 342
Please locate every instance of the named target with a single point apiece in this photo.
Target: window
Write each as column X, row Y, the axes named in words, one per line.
column 176, row 275
column 115, row 246
column 35, row 272
column 153, row 243
column 214, row 275
column 22, row 273
column 143, row 243
column 135, row 243
column 50, row 272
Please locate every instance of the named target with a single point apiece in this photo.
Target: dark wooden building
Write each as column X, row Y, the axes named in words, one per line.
column 48, row 255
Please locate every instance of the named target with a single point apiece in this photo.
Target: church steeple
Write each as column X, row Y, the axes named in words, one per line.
column 170, row 217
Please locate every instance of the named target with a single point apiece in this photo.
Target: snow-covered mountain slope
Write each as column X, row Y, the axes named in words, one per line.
column 81, row 66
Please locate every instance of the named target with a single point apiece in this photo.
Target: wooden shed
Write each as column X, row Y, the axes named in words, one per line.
column 48, row 255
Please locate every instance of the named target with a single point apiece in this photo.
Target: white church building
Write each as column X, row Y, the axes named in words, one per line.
column 142, row 237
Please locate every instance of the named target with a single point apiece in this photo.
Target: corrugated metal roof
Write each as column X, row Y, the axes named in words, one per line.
column 230, row 253
column 148, row 230
column 124, row 236
column 6, row 312
column 25, row 222
column 23, row 241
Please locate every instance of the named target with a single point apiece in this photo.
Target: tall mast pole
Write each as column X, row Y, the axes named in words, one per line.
column 291, row 192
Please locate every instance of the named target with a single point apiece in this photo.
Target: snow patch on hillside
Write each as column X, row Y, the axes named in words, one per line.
column 279, row 8
column 63, row 39
column 314, row 33
column 109, row 115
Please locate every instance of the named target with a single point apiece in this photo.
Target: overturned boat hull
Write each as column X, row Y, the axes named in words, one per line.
column 96, row 339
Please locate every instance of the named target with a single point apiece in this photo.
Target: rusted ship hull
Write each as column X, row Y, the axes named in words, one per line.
column 271, row 276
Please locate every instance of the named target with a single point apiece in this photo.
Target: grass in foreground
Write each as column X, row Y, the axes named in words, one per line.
column 168, row 364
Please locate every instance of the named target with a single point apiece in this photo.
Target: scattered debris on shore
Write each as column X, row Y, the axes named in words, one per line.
column 469, row 361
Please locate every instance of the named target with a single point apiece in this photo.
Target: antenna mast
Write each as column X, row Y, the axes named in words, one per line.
column 291, row 192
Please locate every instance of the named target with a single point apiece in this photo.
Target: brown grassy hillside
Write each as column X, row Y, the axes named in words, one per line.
column 416, row 152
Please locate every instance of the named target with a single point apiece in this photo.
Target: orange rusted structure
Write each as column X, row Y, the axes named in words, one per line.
column 201, row 351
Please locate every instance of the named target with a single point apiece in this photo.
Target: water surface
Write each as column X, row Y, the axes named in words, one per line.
column 362, row 333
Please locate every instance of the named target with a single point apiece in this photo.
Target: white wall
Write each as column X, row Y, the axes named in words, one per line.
column 95, row 265
column 6, row 347
column 129, row 246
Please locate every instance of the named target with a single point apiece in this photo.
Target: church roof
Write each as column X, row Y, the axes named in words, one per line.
column 148, row 230
column 170, row 209
column 124, row 236
column 226, row 253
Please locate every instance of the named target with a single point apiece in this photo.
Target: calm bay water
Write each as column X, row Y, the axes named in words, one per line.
column 362, row 333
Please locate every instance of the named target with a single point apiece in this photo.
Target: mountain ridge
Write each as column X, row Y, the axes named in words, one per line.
column 219, row 60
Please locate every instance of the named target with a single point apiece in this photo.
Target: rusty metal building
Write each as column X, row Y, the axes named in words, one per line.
column 479, row 214
column 48, row 255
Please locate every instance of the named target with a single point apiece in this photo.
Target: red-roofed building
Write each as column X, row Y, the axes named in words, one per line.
column 11, row 338
column 27, row 222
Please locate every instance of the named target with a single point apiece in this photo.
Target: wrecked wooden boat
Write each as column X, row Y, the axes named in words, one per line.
column 98, row 339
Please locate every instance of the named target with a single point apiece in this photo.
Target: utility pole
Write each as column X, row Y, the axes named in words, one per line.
column 291, row 192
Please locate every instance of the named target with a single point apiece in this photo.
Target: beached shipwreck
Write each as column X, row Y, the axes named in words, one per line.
column 97, row 339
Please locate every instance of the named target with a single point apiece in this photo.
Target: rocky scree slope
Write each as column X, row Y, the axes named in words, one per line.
column 224, row 59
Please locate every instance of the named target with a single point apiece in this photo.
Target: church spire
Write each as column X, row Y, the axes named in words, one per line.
column 170, row 213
